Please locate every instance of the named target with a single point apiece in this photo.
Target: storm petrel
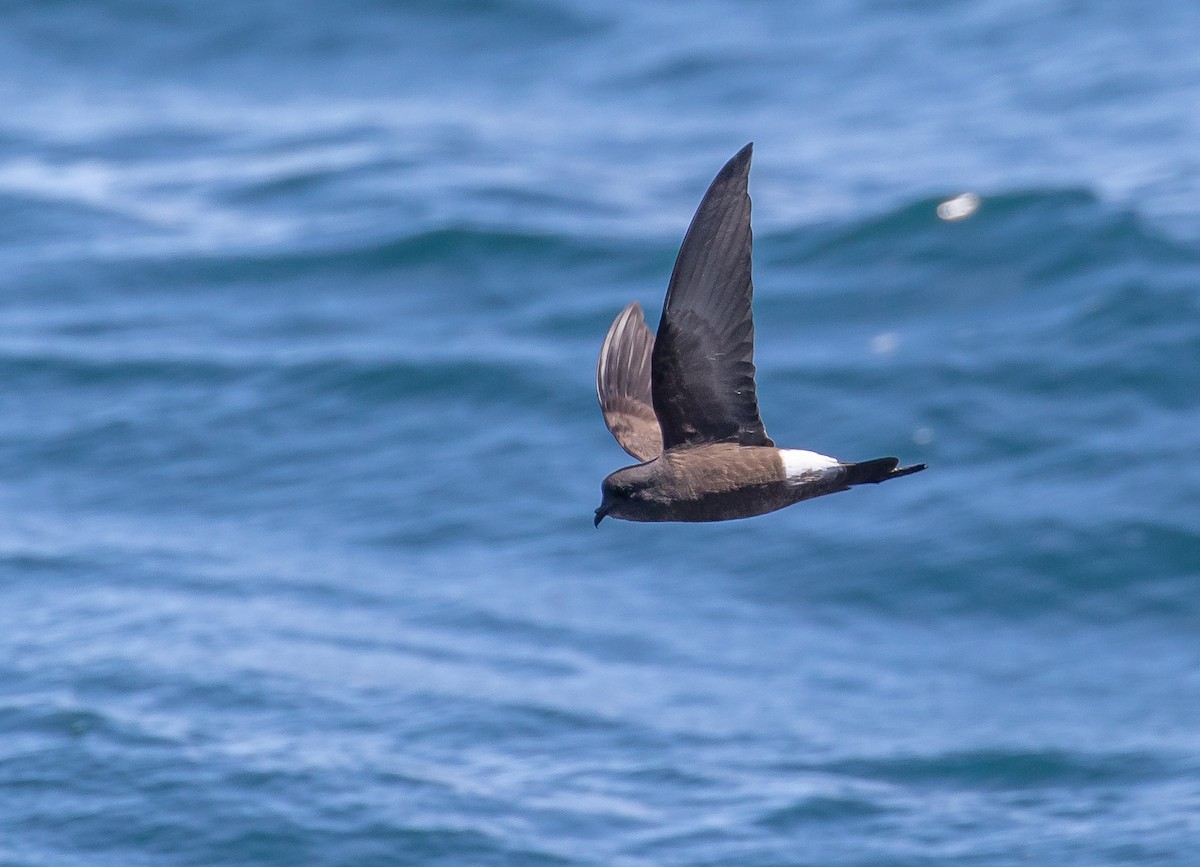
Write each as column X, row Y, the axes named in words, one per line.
column 683, row 402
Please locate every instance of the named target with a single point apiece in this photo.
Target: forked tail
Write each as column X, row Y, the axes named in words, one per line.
column 878, row 470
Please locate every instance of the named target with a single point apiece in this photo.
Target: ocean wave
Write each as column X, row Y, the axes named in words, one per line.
column 1010, row 769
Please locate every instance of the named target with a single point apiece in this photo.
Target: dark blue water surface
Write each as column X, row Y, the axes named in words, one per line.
column 299, row 310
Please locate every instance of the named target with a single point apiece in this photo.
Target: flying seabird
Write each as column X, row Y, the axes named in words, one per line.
column 683, row 402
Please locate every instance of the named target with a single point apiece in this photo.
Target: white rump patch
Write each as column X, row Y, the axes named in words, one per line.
column 958, row 208
column 801, row 464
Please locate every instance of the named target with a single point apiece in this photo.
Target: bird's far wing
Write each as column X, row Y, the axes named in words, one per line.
column 623, row 384
column 703, row 362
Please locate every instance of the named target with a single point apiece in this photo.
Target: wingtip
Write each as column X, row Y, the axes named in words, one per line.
column 740, row 160
column 737, row 167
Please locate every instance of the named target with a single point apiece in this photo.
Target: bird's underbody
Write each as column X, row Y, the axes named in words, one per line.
column 684, row 402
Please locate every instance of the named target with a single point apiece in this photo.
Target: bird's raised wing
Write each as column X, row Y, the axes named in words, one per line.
column 703, row 361
column 623, row 384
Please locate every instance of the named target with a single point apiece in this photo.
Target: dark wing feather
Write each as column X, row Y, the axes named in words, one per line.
column 623, row 384
column 703, row 362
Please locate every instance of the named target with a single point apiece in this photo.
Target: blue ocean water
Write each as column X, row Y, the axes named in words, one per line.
column 299, row 446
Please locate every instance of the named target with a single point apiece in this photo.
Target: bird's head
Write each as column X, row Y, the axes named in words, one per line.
column 624, row 492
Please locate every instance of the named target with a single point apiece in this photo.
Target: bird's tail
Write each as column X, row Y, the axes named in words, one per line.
column 878, row 470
